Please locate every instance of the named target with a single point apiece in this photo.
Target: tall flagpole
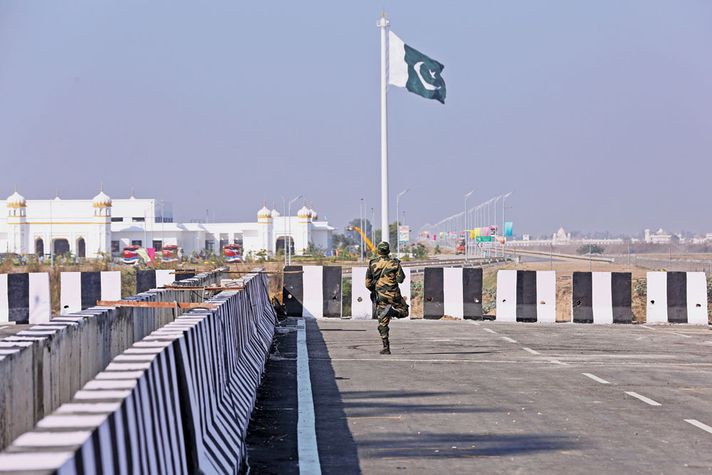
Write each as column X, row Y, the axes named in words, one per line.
column 383, row 25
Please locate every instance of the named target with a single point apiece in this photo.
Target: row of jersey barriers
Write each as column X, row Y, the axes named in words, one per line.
column 521, row 295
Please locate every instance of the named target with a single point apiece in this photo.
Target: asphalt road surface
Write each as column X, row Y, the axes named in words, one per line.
column 486, row 397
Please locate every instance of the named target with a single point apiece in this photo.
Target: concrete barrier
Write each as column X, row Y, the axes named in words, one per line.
column 151, row 279
column 43, row 366
column 25, row 298
column 179, row 401
column 601, row 297
column 312, row 291
column 526, row 296
column 455, row 292
column 677, row 297
column 81, row 290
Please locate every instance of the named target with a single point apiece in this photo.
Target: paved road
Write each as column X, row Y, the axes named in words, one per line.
column 466, row 397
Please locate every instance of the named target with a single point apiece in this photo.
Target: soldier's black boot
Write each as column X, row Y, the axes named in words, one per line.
column 386, row 347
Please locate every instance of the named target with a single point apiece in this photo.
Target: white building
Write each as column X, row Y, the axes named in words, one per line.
column 561, row 237
column 91, row 228
column 658, row 237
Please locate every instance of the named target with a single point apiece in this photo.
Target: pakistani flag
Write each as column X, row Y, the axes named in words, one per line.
column 413, row 70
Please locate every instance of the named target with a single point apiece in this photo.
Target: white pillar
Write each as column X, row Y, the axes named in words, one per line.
column 383, row 25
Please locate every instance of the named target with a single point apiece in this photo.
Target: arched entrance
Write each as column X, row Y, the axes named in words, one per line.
column 81, row 248
column 39, row 247
column 280, row 245
column 61, row 246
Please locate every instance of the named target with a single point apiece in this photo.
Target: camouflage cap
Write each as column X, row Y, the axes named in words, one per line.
column 384, row 249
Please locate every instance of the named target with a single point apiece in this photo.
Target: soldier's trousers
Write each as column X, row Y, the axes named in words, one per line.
column 399, row 311
column 383, row 323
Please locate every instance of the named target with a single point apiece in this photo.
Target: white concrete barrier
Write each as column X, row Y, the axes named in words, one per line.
column 43, row 366
column 25, row 298
column 81, row 290
column 179, row 401
column 312, row 291
column 526, row 296
column 677, row 297
column 601, row 297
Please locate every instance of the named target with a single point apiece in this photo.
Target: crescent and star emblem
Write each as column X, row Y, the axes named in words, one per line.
column 426, row 85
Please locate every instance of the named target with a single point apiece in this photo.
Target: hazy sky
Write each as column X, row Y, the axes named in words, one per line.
column 597, row 114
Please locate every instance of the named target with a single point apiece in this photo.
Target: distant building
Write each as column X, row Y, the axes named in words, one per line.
column 658, row 237
column 90, row 228
column 560, row 237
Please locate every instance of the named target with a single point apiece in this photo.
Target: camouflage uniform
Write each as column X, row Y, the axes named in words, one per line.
column 382, row 278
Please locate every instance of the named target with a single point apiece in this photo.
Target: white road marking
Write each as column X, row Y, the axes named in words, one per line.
column 490, row 330
column 506, row 338
column 558, row 362
column 681, row 334
column 533, row 352
column 699, row 425
column 595, row 378
column 646, row 326
column 306, row 427
column 646, row 400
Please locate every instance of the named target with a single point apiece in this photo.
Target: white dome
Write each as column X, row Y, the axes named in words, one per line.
column 314, row 214
column 264, row 212
column 275, row 213
column 16, row 200
column 101, row 200
column 304, row 212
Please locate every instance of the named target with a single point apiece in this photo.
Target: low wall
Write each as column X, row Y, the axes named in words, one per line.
column 42, row 367
column 179, row 401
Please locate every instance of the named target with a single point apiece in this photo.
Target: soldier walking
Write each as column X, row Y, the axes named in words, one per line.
column 382, row 278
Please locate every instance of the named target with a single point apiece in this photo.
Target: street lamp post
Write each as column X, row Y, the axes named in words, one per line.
column 361, row 212
column 467, row 232
column 504, row 240
column 398, row 220
column 289, row 238
column 373, row 230
column 285, row 239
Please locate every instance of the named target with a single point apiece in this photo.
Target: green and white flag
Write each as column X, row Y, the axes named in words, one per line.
column 411, row 69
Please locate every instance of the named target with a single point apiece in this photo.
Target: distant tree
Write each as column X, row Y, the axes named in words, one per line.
column 342, row 240
column 590, row 249
column 392, row 233
column 314, row 251
column 352, row 234
column 419, row 251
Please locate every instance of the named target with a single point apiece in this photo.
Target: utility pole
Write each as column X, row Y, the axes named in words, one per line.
column 467, row 232
column 383, row 24
column 398, row 220
column 373, row 230
column 290, row 240
column 361, row 213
